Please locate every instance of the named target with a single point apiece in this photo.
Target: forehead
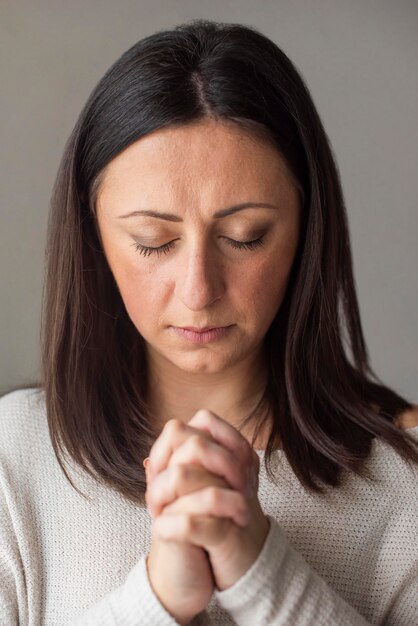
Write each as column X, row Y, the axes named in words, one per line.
column 207, row 161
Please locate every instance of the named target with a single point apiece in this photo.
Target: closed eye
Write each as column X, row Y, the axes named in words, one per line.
column 165, row 248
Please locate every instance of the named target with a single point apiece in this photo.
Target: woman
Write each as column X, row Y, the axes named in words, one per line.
column 199, row 281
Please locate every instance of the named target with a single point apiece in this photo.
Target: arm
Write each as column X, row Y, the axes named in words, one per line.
column 133, row 603
column 281, row 588
column 12, row 582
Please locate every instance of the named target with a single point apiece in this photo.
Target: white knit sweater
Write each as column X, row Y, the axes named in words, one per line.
column 346, row 558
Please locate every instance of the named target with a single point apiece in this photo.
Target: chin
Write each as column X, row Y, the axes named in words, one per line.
column 199, row 363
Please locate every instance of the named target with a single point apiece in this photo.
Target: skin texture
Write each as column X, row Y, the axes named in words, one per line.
column 202, row 475
column 194, row 171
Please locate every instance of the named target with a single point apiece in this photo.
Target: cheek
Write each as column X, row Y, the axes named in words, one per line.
column 265, row 283
column 139, row 288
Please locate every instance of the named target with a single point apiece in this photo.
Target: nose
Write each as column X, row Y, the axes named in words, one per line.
column 199, row 280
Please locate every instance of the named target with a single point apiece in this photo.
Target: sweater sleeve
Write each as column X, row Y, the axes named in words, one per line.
column 281, row 588
column 12, row 582
column 133, row 603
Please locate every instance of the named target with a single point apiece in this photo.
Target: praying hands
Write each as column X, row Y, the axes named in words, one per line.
column 202, row 483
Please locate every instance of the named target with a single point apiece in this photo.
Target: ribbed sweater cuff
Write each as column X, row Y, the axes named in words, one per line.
column 148, row 608
column 239, row 599
column 133, row 603
column 281, row 588
column 151, row 610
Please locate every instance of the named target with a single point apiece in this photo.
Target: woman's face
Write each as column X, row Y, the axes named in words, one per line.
column 190, row 194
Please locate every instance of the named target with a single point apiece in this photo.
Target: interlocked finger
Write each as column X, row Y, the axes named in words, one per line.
column 212, row 501
column 177, row 481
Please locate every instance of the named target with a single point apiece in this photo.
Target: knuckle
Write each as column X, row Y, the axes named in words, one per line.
column 241, row 501
column 203, row 413
column 213, row 496
column 197, row 442
column 242, row 506
column 203, row 417
column 188, row 525
column 173, row 426
column 149, row 497
column 178, row 474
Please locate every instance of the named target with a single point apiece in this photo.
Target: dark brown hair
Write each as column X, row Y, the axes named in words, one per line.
column 327, row 404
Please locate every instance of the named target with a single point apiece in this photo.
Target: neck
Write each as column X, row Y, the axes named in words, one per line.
column 231, row 394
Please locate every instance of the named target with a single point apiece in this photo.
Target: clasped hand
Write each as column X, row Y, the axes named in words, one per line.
column 202, row 484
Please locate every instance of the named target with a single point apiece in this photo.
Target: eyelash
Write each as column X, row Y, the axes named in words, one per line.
column 164, row 249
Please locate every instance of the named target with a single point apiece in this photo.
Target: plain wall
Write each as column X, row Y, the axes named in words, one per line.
column 359, row 60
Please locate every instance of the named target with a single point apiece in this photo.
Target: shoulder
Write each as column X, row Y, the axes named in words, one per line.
column 398, row 475
column 408, row 419
column 19, row 402
column 22, row 421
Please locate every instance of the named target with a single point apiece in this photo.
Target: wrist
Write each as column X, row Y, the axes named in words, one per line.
column 183, row 622
column 165, row 599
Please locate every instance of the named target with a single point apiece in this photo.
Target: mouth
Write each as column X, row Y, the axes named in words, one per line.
column 197, row 329
column 202, row 335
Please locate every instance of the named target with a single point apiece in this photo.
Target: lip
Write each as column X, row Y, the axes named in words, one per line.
column 202, row 336
column 196, row 329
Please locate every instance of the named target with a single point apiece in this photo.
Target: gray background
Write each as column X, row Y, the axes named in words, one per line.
column 359, row 59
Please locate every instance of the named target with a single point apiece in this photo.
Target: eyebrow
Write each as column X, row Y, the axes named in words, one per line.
column 171, row 217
